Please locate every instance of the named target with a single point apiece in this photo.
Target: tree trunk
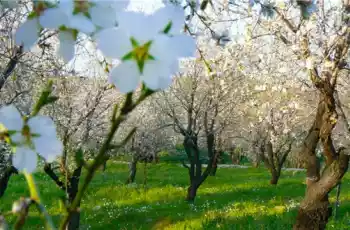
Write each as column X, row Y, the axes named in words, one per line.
column 132, row 171
column 195, row 168
column 74, row 221
column 313, row 214
column 192, row 192
column 213, row 170
column 215, row 163
column 5, row 178
column 257, row 160
column 315, row 209
column 274, row 177
column 145, row 174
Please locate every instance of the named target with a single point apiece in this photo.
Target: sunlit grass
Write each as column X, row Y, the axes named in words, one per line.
column 233, row 199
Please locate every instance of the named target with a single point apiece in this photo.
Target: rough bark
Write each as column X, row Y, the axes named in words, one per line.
column 315, row 209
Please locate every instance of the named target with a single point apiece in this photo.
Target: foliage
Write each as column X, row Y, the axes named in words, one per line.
column 255, row 85
column 235, row 197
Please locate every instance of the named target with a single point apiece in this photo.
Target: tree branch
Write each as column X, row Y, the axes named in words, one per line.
column 10, row 66
column 48, row 170
column 334, row 172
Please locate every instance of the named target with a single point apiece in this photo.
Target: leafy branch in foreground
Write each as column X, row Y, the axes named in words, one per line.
column 118, row 116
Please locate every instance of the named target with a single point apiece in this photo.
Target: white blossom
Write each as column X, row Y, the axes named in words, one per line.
column 25, row 159
column 146, row 31
column 60, row 15
column 125, row 83
column 113, row 43
column 170, row 13
column 103, row 13
column 67, row 45
column 82, row 24
column 37, row 135
column 27, row 34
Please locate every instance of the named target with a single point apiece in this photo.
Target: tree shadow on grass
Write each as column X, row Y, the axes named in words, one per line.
column 234, row 199
column 171, row 211
column 112, row 188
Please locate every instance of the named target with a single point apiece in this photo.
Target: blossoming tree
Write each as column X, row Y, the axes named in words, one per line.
column 141, row 60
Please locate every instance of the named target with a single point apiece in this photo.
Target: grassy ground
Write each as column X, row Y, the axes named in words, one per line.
column 234, row 199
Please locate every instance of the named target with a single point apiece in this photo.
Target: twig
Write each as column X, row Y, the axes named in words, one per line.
column 34, row 195
column 101, row 157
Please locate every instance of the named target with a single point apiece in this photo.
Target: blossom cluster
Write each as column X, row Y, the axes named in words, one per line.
column 147, row 47
column 29, row 137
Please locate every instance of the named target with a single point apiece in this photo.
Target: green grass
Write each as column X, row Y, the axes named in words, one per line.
column 233, row 199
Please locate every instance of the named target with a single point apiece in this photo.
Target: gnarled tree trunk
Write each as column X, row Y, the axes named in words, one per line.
column 315, row 209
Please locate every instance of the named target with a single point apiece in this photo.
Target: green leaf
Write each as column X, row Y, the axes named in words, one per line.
column 167, row 28
column 134, row 43
column 75, row 34
column 127, row 56
column 11, row 132
column 32, row 15
column 146, row 91
column 141, row 64
column 87, row 14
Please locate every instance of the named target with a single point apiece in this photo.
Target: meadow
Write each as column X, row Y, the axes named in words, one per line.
column 236, row 198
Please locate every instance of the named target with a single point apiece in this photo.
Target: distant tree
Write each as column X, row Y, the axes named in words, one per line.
column 197, row 107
